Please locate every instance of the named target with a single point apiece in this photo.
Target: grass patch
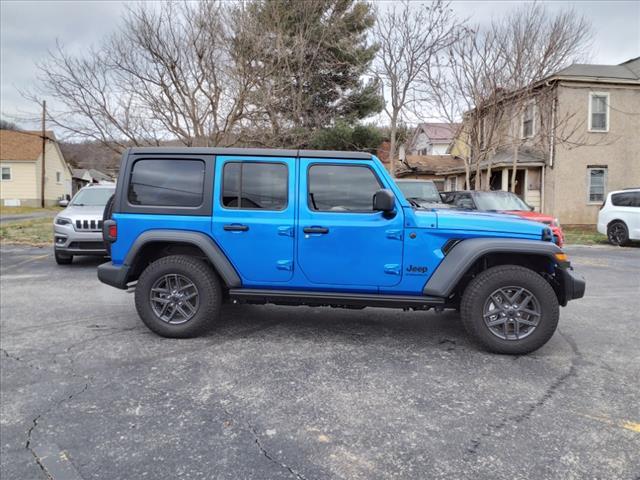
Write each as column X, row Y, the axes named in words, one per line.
column 38, row 232
column 21, row 210
column 583, row 236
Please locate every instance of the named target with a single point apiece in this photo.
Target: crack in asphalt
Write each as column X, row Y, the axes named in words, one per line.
column 19, row 359
column 270, row 457
column 493, row 428
column 36, row 420
column 261, row 448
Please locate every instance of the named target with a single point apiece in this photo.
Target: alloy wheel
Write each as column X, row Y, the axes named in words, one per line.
column 174, row 299
column 512, row 313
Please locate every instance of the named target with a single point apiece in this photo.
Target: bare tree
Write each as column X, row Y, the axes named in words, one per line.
column 166, row 73
column 411, row 36
column 492, row 77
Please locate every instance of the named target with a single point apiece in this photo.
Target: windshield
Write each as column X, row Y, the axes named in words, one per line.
column 92, row 197
column 420, row 190
column 500, row 201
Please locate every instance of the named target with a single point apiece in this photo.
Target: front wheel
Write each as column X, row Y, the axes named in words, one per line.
column 178, row 296
column 510, row 309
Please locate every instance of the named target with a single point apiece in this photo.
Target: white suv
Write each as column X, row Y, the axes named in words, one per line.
column 619, row 217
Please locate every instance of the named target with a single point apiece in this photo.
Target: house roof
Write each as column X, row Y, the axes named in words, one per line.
column 22, row 145
column 439, row 132
column 428, row 164
column 629, row 70
column 98, row 175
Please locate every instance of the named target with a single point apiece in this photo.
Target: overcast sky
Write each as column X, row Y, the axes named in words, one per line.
column 28, row 29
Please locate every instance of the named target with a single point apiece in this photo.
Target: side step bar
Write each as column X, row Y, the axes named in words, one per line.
column 294, row 297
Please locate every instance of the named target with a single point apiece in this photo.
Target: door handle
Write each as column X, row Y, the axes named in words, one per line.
column 235, row 227
column 322, row 230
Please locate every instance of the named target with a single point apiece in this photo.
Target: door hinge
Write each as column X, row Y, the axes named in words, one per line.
column 394, row 234
column 284, row 265
column 392, row 269
column 285, row 231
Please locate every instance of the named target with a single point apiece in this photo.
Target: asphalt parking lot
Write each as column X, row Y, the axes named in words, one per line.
column 311, row 393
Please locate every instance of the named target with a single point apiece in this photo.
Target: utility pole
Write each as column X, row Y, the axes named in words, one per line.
column 44, row 146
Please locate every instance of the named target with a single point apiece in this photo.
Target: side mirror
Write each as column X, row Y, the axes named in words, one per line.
column 384, row 201
column 63, row 203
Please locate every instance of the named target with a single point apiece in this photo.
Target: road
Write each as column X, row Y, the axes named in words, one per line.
column 311, row 393
column 20, row 217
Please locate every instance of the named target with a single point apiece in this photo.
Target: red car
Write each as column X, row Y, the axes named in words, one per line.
column 502, row 202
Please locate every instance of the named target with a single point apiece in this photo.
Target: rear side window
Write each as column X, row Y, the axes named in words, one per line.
column 255, row 186
column 341, row 188
column 168, row 183
column 626, row 199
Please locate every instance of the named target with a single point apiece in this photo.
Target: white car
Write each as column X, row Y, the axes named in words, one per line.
column 619, row 217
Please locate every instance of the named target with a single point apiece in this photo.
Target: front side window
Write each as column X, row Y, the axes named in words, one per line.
column 255, row 186
column 597, row 178
column 167, row 183
column 528, row 121
column 6, row 173
column 341, row 188
column 599, row 112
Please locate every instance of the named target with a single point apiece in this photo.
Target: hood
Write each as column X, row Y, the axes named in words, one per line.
column 78, row 211
column 473, row 221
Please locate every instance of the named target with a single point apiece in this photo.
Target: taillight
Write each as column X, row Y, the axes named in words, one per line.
column 109, row 231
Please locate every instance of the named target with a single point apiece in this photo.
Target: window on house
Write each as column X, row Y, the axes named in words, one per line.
column 597, row 178
column 453, row 184
column 341, row 188
column 58, row 177
column 255, row 186
column 6, row 173
column 528, row 121
column 599, row 112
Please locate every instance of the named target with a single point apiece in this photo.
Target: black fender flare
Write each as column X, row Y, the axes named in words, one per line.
column 204, row 242
column 464, row 254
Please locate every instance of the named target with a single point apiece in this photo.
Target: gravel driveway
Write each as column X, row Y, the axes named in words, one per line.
column 311, row 393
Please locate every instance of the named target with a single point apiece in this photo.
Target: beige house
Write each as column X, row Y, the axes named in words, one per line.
column 21, row 169
column 576, row 137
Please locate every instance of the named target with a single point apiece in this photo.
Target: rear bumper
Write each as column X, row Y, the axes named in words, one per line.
column 114, row 275
column 573, row 285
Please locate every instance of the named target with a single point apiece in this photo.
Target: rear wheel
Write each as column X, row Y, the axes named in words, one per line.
column 178, row 296
column 62, row 259
column 510, row 309
column 617, row 233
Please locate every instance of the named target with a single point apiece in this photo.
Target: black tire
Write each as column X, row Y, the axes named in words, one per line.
column 618, row 233
column 106, row 215
column 62, row 259
column 209, row 295
column 479, row 293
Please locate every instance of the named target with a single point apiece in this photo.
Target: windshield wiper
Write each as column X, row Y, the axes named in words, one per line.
column 413, row 202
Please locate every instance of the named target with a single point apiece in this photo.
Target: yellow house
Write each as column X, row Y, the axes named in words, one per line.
column 21, row 169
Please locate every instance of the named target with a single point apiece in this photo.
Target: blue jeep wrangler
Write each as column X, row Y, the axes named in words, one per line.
column 196, row 227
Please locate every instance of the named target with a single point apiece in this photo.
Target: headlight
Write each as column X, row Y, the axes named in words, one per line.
column 62, row 221
column 556, row 222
